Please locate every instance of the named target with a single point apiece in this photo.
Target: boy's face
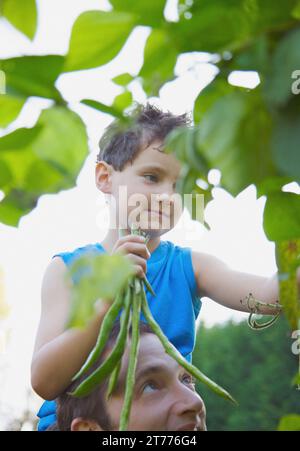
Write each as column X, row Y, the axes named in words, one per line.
column 164, row 398
column 148, row 184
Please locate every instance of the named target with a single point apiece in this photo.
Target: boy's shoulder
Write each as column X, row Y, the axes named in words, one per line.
column 71, row 255
column 67, row 258
column 201, row 264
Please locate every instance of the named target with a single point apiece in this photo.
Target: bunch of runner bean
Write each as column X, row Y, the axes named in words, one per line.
column 133, row 301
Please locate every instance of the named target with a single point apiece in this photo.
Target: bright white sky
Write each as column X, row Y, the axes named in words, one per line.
column 77, row 216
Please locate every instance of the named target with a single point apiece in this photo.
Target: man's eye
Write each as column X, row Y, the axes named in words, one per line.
column 151, row 175
column 147, row 385
column 190, row 380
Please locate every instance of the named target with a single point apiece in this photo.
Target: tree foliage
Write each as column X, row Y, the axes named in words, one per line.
column 257, row 368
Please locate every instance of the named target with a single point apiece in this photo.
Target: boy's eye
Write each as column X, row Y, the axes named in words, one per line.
column 151, row 175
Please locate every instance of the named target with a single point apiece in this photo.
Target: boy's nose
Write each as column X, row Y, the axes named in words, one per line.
column 164, row 198
column 164, row 203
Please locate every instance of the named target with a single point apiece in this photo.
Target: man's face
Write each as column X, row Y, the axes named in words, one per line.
column 150, row 182
column 164, row 397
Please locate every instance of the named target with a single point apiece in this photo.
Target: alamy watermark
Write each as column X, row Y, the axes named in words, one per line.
column 296, row 351
column 296, row 84
column 159, row 211
column 296, row 343
column 2, row 82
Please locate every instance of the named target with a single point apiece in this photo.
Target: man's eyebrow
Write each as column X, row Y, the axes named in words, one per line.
column 150, row 369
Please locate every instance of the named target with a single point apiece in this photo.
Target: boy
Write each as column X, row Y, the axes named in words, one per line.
column 134, row 158
column 160, row 383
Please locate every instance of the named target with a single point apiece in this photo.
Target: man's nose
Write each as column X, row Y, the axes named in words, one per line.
column 188, row 401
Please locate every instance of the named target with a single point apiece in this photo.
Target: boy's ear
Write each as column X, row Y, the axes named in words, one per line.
column 81, row 424
column 103, row 176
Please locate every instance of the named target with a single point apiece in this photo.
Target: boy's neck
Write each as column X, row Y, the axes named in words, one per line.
column 113, row 236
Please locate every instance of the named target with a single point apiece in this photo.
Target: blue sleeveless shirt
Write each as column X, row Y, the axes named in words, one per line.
column 175, row 307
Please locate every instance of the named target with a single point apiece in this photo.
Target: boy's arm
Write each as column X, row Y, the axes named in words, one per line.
column 228, row 287
column 59, row 353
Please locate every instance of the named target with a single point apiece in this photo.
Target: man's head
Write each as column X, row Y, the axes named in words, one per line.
column 164, row 397
column 133, row 156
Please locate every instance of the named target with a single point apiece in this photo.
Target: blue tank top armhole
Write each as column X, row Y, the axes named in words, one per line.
column 190, row 275
column 70, row 257
column 63, row 256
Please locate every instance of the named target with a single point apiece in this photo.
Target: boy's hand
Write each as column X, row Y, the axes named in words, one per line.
column 135, row 249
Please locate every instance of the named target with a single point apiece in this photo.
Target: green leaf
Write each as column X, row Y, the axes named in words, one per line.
column 148, row 13
column 287, row 258
column 19, row 138
column 122, row 101
column 5, row 174
column 286, row 140
column 33, row 76
column 228, row 141
column 97, row 37
column 95, row 274
column 285, row 60
column 182, row 142
column 213, row 27
column 296, row 380
column 282, row 216
column 158, row 67
column 209, row 95
column 21, row 14
column 2, row 83
column 44, row 159
column 15, row 205
column 296, row 11
column 10, row 108
column 63, row 141
column 229, row 26
column 289, row 423
column 123, row 79
column 255, row 56
column 45, row 177
column 272, row 184
column 103, row 108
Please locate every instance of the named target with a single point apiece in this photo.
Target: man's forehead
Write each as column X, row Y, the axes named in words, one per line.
column 162, row 362
column 151, row 355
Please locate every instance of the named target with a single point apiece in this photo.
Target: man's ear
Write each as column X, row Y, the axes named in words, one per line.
column 82, row 424
column 103, row 176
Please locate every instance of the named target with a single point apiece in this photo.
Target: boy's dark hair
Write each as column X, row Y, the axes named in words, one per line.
column 91, row 407
column 121, row 140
